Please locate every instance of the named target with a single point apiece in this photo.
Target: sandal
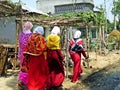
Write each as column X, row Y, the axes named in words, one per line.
column 20, row 85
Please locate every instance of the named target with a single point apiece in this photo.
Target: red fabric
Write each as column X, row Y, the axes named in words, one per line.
column 37, row 73
column 78, row 42
column 56, row 75
column 36, row 44
column 76, row 58
column 24, row 66
column 77, row 69
column 37, row 64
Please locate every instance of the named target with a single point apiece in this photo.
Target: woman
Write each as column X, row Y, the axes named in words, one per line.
column 23, row 38
column 35, row 50
column 76, row 55
column 55, row 59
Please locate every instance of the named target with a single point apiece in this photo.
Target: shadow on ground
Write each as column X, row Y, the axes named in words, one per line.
column 107, row 78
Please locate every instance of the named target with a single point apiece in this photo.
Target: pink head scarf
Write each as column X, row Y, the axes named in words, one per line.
column 27, row 26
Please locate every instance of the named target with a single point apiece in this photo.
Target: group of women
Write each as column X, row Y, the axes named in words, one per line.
column 41, row 60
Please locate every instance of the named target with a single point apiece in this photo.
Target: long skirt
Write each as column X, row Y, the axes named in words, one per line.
column 56, row 70
column 77, row 69
column 23, row 76
column 37, row 73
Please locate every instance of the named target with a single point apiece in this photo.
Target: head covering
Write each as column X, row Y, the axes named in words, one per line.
column 55, row 30
column 27, row 26
column 77, row 34
column 39, row 29
column 53, row 42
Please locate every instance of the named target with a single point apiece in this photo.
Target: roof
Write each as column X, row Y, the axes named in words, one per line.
column 8, row 9
column 115, row 33
column 32, row 10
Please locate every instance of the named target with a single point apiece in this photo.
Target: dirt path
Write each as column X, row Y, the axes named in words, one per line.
column 104, row 74
column 9, row 82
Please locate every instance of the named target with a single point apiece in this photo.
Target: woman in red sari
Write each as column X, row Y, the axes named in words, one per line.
column 55, row 59
column 35, row 50
column 76, row 56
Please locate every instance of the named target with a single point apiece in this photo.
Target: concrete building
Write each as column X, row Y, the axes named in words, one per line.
column 62, row 6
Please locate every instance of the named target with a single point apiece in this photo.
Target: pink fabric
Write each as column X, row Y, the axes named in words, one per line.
column 23, row 38
column 23, row 77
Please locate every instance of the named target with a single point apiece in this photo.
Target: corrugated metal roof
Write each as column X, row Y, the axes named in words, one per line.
column 33, row 10
column 8, row 9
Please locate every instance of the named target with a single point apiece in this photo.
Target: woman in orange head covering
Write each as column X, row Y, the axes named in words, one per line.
column 55, row 59
column 35, row 50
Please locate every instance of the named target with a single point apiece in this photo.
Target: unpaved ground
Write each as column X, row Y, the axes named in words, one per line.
column 103, row 74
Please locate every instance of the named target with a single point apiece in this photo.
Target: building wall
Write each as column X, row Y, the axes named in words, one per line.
column 48, row 6
column 8, row 30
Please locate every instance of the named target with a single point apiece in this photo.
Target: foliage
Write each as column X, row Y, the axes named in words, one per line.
column 12, row 3
column 101, row 16
column 87, row 17
column 110, row 27
column 116, row 9
column 93, row 45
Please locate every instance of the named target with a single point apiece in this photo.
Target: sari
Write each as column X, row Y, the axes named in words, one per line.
column 76, row 58
column 35, row 50
column 23, row 38
column 55, row 63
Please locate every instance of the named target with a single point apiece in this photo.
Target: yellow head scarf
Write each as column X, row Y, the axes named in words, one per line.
column 53, row 42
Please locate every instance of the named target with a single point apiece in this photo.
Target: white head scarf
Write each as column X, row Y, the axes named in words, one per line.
column 55, row 30
column 27, row 27
column 77, row 34
column 39, row 29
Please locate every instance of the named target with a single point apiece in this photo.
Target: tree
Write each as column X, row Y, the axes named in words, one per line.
column 116, row 11
column 117, row 7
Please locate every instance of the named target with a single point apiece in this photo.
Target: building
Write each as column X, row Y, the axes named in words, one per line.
column 8, row 19
column 62, row 6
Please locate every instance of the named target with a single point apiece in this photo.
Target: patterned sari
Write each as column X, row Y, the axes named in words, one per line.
column 37, row 64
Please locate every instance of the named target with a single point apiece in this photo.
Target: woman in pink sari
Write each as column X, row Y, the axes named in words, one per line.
column 23, row 38
column 55, row 60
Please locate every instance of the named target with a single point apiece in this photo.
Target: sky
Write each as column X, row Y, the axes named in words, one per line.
column 109, row 5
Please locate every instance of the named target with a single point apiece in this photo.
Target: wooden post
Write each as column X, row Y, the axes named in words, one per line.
column 87, row 39
column 66, row 50
column 21, row 16
column 100, row 39
column 4, row 58
column 87, row 44
column 16, row 46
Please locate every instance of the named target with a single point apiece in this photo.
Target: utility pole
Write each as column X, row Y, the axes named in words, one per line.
column 106, row 16
column 20, row 1
column 114, row 15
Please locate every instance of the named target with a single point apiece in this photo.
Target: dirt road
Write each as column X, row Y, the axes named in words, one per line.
column 104, row 74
